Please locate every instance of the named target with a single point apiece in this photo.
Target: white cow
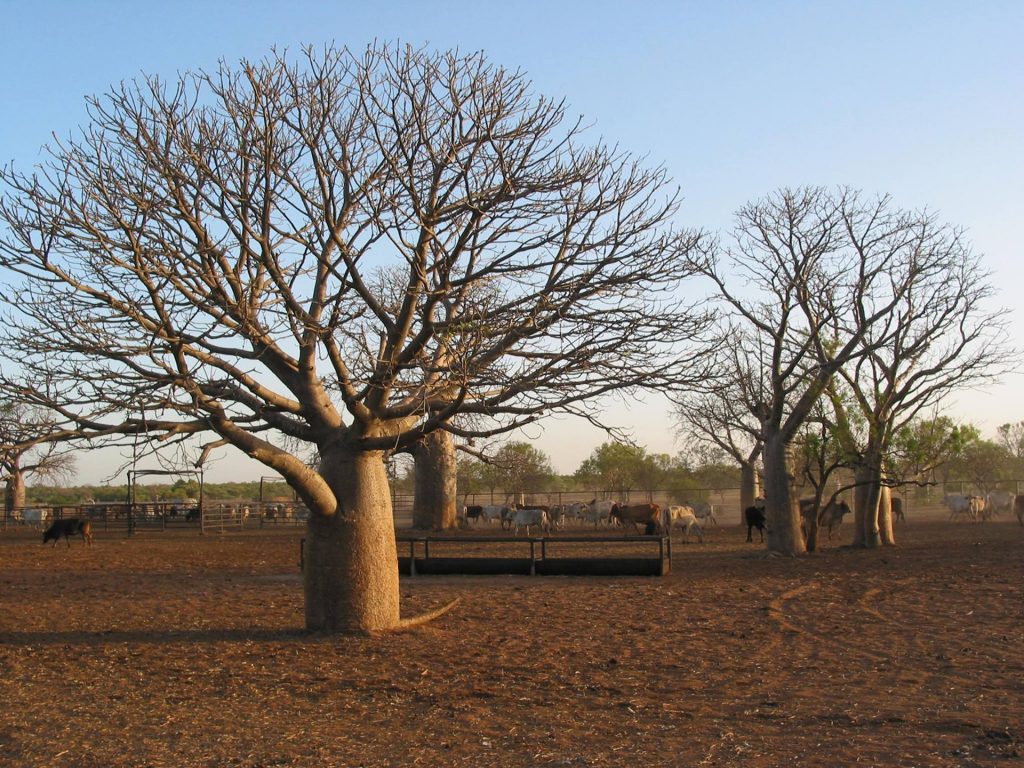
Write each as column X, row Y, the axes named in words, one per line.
column 705, row 513
column 35, row 517
column 600, row 511
column 970, row 507
column 831, row 517
column 684, row 517
column 526, row 517
column 492, row 512
column 577, row 511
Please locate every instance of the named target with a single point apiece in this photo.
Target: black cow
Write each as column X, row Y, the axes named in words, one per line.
column 754, row 518
column 68, row 528
column 897, row 509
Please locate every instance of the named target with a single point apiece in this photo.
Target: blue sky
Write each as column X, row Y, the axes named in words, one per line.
column 922, row 100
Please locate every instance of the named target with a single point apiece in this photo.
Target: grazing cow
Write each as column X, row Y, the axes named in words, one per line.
column 528, row 516
column 754, row 517
column 473, row 512
column 72, row 526
column 1018, row 508
column 684, row 517
column 999, row 501
column 655, row 519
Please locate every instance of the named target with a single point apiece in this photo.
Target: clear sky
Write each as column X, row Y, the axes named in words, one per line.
column 923, row 100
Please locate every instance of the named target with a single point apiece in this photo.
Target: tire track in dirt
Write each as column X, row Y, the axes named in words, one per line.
column 840, row 645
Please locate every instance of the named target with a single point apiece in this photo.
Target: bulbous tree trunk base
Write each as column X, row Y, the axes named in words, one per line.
column 14, row 492
column 350, row 575
column 435, row 506
column 350, row 562
column 783, row 511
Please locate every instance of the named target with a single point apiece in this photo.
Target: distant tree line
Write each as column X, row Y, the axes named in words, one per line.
column 926, row 453
column 180, row 490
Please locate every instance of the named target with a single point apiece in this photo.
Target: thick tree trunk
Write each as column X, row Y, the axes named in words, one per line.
column 14, row 493
column 749, row 489
column 810, row 531
column 782, row 508
column 866, row 505
column 436, row 502
column 885, row 526
column 350, row 569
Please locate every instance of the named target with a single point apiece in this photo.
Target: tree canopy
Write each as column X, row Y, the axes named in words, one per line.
column 343, row 250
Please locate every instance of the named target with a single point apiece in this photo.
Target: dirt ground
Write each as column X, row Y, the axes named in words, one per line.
column 186, row 650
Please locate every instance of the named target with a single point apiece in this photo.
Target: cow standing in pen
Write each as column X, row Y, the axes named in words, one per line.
column 68, row 528
column 653, row 517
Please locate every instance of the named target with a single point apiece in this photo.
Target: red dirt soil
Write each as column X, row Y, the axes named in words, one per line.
column 184, row 650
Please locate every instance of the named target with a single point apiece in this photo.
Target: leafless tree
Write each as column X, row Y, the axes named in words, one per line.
column 347, row 250
column 723, row 412
column 941, row 335
column 25, row 451
column 815, row 278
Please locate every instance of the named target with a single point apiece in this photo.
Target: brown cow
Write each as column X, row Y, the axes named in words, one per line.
column 651, row 515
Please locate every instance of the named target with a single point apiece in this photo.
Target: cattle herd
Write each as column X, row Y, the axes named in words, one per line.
column 646, row 518
column 975, row 508
column 981, row 508
column 653, row 518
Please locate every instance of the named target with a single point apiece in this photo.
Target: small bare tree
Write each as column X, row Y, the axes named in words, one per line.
column 26, row 450
column 722, row 414
column 349, row 251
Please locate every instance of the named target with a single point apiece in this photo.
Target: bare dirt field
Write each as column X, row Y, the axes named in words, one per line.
column 185, row 650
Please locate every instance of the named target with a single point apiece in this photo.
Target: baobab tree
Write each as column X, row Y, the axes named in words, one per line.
column 941, row 335
column 810, row 282
column 348, row 251
column 27, row 450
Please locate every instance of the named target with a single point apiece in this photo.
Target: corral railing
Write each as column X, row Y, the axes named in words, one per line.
column 247, row 514
column 155, row 517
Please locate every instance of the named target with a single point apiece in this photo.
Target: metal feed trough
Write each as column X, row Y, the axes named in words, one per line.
column 536, row 556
